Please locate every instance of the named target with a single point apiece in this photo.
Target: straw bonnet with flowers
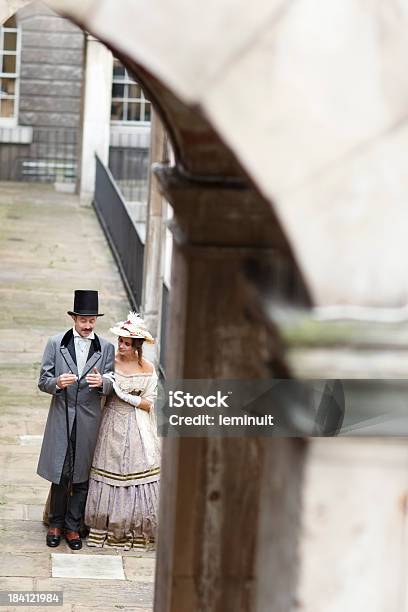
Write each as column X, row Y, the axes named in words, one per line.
column 133, row 327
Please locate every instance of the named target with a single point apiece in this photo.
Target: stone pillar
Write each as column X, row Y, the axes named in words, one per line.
column 95, row 114
column 219, row 496
column 153, row 254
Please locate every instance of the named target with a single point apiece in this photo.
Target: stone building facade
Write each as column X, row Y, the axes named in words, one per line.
column 42, row 115
column 40, row 141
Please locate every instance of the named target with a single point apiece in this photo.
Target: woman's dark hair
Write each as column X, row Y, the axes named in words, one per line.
column 137, row 344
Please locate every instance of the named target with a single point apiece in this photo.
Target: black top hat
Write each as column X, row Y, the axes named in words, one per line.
column 85, row 304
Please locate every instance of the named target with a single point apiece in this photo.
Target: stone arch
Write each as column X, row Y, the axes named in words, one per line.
column 206, row 183
column 204, row 159
column 232, row 259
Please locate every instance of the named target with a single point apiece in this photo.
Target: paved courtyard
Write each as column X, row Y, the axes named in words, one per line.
column 49, row 246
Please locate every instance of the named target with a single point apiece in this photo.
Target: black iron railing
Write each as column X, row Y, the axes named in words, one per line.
column 125, row 242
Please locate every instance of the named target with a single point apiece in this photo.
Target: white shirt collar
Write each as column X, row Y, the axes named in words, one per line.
column 90, row 337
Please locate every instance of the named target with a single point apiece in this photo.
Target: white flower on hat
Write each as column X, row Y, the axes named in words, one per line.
column 133, row 327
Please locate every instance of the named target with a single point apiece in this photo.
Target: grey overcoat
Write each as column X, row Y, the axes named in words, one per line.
column 83, row 402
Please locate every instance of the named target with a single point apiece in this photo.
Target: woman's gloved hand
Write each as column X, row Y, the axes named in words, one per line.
column 133, row 400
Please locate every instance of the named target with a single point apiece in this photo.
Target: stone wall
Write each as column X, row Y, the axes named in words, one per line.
column 51, row 80
column 52, row 59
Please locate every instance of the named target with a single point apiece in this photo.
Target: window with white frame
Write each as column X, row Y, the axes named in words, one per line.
column 129, row 104
column 10, row 44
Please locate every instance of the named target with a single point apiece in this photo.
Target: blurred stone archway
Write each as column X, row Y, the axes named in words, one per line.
column 279, row 119
column 230, row 256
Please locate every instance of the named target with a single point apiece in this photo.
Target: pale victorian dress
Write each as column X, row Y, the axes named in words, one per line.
column 122, row 504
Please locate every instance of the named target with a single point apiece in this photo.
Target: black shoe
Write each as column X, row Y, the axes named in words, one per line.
column 73, row 540
column 53, row 537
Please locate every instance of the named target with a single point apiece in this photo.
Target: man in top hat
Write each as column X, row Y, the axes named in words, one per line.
column 72, row 370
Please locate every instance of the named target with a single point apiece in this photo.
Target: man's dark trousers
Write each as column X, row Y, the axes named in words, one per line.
column 66, row 510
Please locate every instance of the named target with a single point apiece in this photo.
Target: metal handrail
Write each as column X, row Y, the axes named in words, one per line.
column 121, row 232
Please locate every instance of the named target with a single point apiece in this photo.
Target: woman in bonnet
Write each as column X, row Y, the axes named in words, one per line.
column 121, row 508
